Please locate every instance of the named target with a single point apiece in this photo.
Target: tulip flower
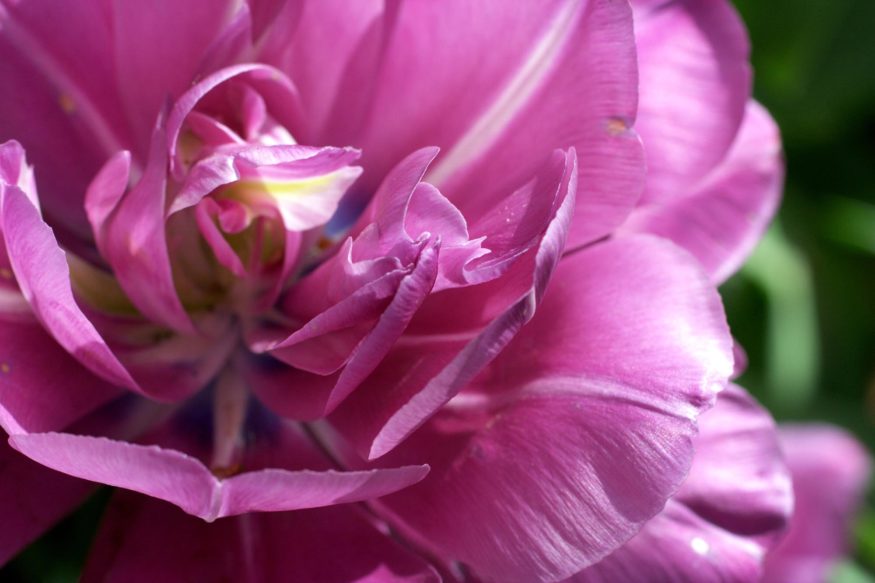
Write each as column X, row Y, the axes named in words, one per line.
column 368, row 291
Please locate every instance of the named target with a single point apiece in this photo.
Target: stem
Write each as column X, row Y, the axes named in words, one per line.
column 230, row 401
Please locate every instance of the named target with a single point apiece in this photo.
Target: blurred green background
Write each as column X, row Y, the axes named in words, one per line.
column 804, row 306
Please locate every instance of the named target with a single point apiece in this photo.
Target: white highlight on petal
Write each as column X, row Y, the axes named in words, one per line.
column 518, row 91
column 700, row 546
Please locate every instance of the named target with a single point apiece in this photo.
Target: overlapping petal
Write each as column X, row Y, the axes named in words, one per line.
column 43, row 275
column 729, row 512
column 695, row 82
column 563, row 76
column 432, row 363
column 144, row 540
column 721, row 218
column 562, row 450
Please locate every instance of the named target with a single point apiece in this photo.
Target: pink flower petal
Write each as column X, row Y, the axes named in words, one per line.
column 32, row 499
column 564, row 75
column 42, row 388
column 732, row 508
column 130, row 232
column 830, row 471
column 184, row 481
column 327, row 36
column 417, row 379
column 42, row 272
column 65, row 98
column 695, row 81
column 159, row 49
column 582, row 428
column 721, row 218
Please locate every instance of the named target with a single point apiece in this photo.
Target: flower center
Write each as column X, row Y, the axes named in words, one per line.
column 257, row 201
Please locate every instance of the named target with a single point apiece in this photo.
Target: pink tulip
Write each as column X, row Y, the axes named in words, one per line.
column 267, row 258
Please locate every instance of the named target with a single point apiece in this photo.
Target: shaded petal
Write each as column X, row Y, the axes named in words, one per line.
column 722, row 218
column 355, row 334
column 582, row 428
column 731, row 509
column 739, row 480
column 144, row 540
column 42, row 272
column 65, row 98
column 184, row 481
column 42, row 388
column 314, row 41
column 695, row 81
column 32, row 499
column 830, row 471
column 563, row 76
column 130, row 232
column 160, row 48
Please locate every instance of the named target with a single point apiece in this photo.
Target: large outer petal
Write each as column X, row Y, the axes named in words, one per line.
column 514, row 86
column 695, row 81
column 32, row 499
column 722, row 217
column 830, row 471
column 143, row 540
column 583, row 427
column 314, row 42
column 64, row 98
column 160, row 47
column 729, row 512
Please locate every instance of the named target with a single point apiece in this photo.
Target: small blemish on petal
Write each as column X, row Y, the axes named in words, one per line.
column 617, row 126
column 225, row 472
column 5, row 273
column 4, row 367
column 66, row 102
column 324, row 244
column 700, row 546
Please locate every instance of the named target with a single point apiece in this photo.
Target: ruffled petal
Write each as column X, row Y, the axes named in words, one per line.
column 721, row 218
column 581, row 430
column 429, row 366
column 144, row 540
column 130, row 232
